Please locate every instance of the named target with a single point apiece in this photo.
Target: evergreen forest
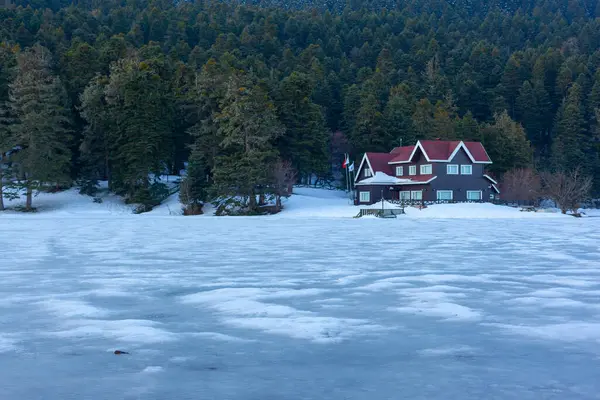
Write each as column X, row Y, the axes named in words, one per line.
column 247, row 95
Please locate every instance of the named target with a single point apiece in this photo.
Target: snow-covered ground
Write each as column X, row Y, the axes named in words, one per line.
column 297, row 307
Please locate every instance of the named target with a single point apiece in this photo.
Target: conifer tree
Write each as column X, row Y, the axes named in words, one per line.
column 7, row 70
column 397, row 116
column 422, row 119
column 141, row 106
column 247, row 129
column 42, row 122
column 506, row 143
column 569, row 147
column 95, row 148
column 305, row 142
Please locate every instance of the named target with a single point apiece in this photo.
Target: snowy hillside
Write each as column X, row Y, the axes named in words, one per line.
column 304, row 203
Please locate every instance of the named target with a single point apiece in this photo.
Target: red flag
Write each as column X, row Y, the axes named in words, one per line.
column 346, row 162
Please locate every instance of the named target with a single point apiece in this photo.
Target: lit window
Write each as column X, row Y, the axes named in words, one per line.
column 368, row 172
column 426, row 169
column 416, row 195
column 412, row 170
column 474, row 195
column 365, row 197
column 466, row 170
column 399, row 171
column 444, row 194
column 452, row 169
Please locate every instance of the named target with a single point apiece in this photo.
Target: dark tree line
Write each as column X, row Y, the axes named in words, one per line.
column 128, row 90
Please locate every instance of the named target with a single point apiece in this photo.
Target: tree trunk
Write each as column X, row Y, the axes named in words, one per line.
column 1, row 192
column 278, row 203
column 29, row 200
column 252, row 201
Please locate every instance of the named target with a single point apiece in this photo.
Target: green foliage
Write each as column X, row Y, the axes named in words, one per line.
column 149, row 80
column 41, row 123
column 506, row 144
column 247, row 127
column 570, row 148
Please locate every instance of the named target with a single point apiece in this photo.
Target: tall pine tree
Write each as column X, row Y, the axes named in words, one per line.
column 247, row 129
column 39, row 104
column 570, row 146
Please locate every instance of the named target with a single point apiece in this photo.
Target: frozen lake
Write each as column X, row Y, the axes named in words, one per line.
column 275, row 308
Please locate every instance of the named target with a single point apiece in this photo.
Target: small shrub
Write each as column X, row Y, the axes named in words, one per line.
column 87, row 187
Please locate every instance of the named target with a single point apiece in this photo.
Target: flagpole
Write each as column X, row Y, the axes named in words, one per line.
column 346, row 168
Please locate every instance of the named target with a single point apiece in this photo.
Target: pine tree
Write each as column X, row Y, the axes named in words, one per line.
column 368, row 133
column 397, row 116
column 422, row 119
column 7, row 70
column 141, row 106
column 506, row 144
column 305, row 142
column 39, row 103
column 247, row 130
column 570, row 147
column 95, row 149
column 467, row 128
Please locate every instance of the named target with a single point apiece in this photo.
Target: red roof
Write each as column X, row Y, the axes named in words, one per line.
column 379, row 162
column 402, row 153
column 477, row 151
column 438, row 149
column 441, row 150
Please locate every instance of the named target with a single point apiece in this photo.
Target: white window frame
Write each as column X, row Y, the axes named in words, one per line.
column 452, row 173
column 438, row 192
column 399, row 171
column 413, row 194
column 412, row 170
column 475, row 191
column 468, row 167
column 405, row 195
column 364, row 197
column 426, row 169
column 368, row 172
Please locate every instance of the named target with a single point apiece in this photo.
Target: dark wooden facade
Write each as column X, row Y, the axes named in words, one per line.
column 459, row 184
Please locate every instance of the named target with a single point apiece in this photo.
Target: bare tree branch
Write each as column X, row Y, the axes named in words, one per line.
column 568, row 189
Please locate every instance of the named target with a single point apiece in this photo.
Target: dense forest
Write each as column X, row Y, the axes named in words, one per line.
column 251, row 95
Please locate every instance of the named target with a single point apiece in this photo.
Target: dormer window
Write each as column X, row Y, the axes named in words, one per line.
column 426, row 169
column 399, row 171
column 466, row 170
column 452, row 169
column 412, row 170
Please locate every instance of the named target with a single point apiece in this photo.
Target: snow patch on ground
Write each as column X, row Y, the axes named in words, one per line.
column 336, row 308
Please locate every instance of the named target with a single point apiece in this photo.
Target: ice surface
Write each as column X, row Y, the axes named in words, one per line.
column 309, row 304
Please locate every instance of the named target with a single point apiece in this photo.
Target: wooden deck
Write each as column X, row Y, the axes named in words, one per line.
column 385, row 213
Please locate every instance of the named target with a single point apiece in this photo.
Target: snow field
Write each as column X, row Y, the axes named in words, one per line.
column 263, row 307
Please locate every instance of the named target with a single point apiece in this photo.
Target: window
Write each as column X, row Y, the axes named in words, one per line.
column 426, row 169
column 444, row 194
column 416, row 195
column 474, row 195
column 399, row 171
column 365, row 197
column 412, row 170
column 405, row 195
column 466, row 170
column 368, row 172
column 452, row 169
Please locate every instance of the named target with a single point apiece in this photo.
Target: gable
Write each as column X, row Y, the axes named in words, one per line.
column 461, row 157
